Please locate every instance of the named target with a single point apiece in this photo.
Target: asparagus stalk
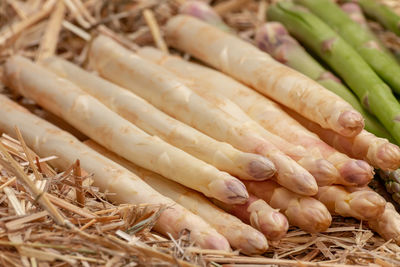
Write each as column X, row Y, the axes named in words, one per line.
column 322, row 170
column 359, row 204
column 373, row 93
column 98, row 122
column 260, row 215
column 249, row 65
column 240, row 236
column 362, row 40
column 273, row 38
column 165, row 91
column 378, row 152
column 307, row 213
column 267, row 113
column 46, row 139
column 388, row 224
column 246, row 166
column 382, row 13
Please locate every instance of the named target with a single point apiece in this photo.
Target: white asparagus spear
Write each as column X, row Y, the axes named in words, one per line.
column 241, row 236
column 165, row 91
column 213, row 87
column 248, row 64
column 360, row 203
column 260, row 215
column 86, row 113
column 268, row 114
column 46, row 139
column 388, row 224
column 246, row 166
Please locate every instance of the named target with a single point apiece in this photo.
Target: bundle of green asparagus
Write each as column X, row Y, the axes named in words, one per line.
column 237, row 153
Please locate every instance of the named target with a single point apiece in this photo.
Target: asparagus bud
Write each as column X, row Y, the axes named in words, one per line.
column 360, row 204
column 204, row 12
column 260, row 215
column 392, row 183
column 305, row 212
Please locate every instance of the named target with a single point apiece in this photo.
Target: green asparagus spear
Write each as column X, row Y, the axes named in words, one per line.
column 363, row 40
column 373, row 93
column 273, row 38
column 382, row 14
column 392, row 183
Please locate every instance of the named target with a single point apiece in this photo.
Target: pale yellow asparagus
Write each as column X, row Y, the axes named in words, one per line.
column 268, row 114
column 248, row 64
column 240, row 236
column 87, row 114
column 223, row 156
column 165, row 91
column 260, row 215
column 322, row 170
column 378, row 152
column 124, row 186
column 358, row 203
column 306, row 213
column 388, row 224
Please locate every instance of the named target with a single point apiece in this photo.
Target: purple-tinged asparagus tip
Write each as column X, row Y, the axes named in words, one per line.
column 355, row 13
column 352, row 123
column 204, row 12
column 230, row 191
column 273, row 38
column 357, row 173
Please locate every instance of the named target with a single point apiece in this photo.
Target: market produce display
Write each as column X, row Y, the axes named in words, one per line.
column 199, row 133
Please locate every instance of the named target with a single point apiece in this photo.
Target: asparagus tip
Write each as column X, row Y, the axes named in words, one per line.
column 272, row 37
column 309, row 214
column 352, row 122
column 271, row 223
column 254, row 243
column 261, row 168
column 389, row 155
column 230, row 191
column 367, row 204
column 217, row 242
column 324, row 172
column 357, row 173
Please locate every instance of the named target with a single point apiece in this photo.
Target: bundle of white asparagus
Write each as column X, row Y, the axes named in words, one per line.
column 177, row 127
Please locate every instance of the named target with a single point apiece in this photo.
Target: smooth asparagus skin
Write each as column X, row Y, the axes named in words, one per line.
column 168, row 93
column 240, row 235
column 382, row 13
column 273, row 38
column 248, row 64
column 362, row 40
column 153, row 121
column 268, row 114
column 86, row 113
column 373, row 93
